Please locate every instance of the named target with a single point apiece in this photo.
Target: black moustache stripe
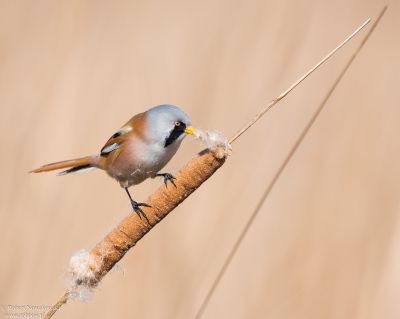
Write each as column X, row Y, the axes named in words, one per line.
column 175, row 133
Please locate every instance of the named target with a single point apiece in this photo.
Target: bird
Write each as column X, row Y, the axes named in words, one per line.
column 137, row 151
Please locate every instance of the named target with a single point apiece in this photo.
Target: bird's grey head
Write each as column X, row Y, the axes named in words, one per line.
column 167, row 124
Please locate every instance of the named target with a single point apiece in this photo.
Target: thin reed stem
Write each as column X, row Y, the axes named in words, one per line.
column 301, row 79
column 63, row 300
column 278, row 173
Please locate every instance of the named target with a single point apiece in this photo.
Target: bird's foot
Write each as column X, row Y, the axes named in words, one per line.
column 136, row 207
column 167, row 178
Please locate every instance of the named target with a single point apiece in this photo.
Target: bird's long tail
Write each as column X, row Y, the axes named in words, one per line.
column 77, row 165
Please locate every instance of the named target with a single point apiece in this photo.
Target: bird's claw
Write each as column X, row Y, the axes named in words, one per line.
column 168, row 178
column 136, row 207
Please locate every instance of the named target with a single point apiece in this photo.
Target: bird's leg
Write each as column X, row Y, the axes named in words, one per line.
column 167, row 178
column 136, row 206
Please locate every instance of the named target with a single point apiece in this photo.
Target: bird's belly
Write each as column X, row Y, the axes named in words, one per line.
column 135, row 163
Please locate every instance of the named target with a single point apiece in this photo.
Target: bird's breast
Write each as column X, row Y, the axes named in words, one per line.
column 137, row 160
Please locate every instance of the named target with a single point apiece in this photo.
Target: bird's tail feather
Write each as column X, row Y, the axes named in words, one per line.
column 77, row 165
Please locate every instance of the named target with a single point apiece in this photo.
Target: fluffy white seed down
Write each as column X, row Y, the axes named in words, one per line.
column 214, row 140
column 79, row 276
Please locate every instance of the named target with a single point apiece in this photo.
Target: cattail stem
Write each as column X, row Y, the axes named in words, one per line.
column 131, row 229
column 63, row 300
column 114, row 246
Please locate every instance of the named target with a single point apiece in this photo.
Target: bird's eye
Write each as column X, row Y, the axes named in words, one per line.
column 177, row 123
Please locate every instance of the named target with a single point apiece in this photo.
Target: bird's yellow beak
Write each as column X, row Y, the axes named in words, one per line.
column 189, row 130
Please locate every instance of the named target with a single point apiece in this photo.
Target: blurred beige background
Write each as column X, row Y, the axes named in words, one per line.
column 326, row 243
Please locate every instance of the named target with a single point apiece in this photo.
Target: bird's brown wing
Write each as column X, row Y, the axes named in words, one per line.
column 136, row 125
column 115, row 141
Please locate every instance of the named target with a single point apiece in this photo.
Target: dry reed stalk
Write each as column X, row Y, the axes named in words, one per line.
column 114, row 246
column 131, row 229
column 278, row 173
